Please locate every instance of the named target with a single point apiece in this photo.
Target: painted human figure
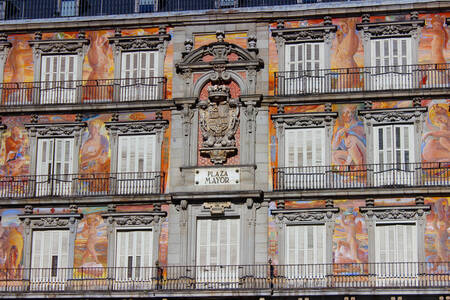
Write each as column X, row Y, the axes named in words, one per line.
column 436, row 146
column 439, row 42
column 99, row 62
column 90, row 231
column 347, row 46
column 17, row 60
column 15, row 146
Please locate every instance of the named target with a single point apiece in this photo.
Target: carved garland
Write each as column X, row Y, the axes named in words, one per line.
column 135, row 218
column 305, row 119
column 140, row 127
column 303, row 34
column 61, row 46
column 304, row 215
column 393, row 115
column 142, row 42
column 55, row 129
column 46, row 221
column 390, row 29
column 394, row 213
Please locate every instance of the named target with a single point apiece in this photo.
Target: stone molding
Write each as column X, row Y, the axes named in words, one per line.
column 394, row 115
column 140, row 42
column 137, row 127
column 403, row 28
column 394, row 213
column 130, row 219
column 292, row 216
column 284, row 35
column 55, row 129
column 60, row 46
column 301, row 120
column 49, row 221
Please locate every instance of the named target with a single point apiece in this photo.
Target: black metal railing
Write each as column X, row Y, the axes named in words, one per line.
column 83, row 91
column 322, row 81
column 40, row 9
column 90, row 184
column 425, row 174
column 228, row 277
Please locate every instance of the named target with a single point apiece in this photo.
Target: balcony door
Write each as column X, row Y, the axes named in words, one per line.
column 54, row 166
column 218, row 252
column 138, row 82
column 304, row 158
column 393, row 155
column 58, row 75
column 134, row 255
column 136, row 165
column 389, row 60
column 305, row 251
column 50, row 258
column 396, row 251
column 302, row 64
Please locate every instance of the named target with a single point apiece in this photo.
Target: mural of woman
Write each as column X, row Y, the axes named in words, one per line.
column 16, row 146
column 439, row 42
column 90, row 231
column 100, row 63
column 347, row 46
column 11, row 245
column 349, row 141
column 18, row 57
column 436, row 142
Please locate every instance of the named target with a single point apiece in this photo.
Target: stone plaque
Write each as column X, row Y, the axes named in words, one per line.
column 217, row 176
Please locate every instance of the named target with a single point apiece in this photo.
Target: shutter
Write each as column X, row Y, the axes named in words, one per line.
column 383, row 141
column 50, row 247
column 305, row 147
column 45, row 157
column 404, row 143
column 291, row 148
column 63, row 156
column 122, row 253
column 396, row 243
column 136, row 153
column 305, row 244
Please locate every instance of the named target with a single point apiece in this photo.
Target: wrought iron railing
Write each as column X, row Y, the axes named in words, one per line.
column 90, row 184
column 322, row 81
column 426, row 174
column 83, row 91
column 399, row 275
column 39, row 9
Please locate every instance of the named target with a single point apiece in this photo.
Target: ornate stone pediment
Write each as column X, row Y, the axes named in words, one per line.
column 394, row 213
column 55, row 129
column 305, row 215
column 49, row 220
column 391, row 29
column 219, row 120
column 393, row 115
column 137, row 127
column 140, row 42
column 303, row 34
column 135, row 218
column 305, row 119
column 59, row 46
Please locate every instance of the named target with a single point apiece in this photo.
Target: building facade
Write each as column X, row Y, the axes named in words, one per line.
column 225, row 149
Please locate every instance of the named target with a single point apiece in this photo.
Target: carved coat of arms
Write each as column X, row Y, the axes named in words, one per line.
column 219, row 122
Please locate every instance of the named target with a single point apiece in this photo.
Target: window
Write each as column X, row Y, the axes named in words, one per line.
column 58, row 75
column 146, row 6
column 390, row 57
column 139, row 70
column 136, row 165
column 50, row 255
column 217, row 244
column 305, row 158
column 54, row 166
column 134, row 254
column 302, row 64
column 68, row 8
column 396, row 249
column 394, row 151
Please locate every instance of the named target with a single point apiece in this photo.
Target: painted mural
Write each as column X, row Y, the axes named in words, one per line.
column 11, row 244
column 437, row 230
column 91, row 244
column 436, row 132
column 433, row 47
column 15, row 144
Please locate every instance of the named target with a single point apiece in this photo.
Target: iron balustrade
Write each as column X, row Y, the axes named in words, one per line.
column 387, row 78
column 89, row 184
column 40, row 9
column 83, row 91
column 228, row 277
column 426, row 174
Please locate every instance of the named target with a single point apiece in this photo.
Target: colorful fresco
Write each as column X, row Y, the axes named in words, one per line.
column 238, row 38
column 19, row 64
column 304, row 204
column 395, row 202
column 437, row 230
column 11, row 244
column 304, row 108
column 433, row 46
column 349, row 138
column 436, row 137
column 14, row 156
column 91, row 244
column 391, row 104
column 350, row 238
column 273, row 235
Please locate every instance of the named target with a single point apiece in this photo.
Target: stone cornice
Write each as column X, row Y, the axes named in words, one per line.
column 393, row 115
column 139, row 42
column 313, row 119
column 55, row 129
column 137, row 127
column 305, row 215
column 303, row 34
column 50, row 220
column 390, row 29
column 135, row 218
column 394, row 213
column 60, row 46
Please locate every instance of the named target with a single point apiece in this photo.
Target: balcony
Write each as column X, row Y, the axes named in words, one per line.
column 272, row 279
column 362, row 176
column 69, row 185
column 83, row 91
column 366, row 79
column 41, row 9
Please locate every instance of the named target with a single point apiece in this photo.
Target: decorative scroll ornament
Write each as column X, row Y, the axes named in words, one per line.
column 305, row 215
column 55, row 129
column 395, row 213
column 134, row 220
column 217, row 208
column 137, row 127
column 393, row 115
column 219, row 122
column 391, row 29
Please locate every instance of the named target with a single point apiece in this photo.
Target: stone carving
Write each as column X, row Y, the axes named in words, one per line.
column 393, row 115
column 219, row 122
column 59, row 46
column 134, row 220
column 134, row 127
column 304, row 215
column 142, row 42
column 216, row 208
column 55, row 129
column 305, row 119
column 303, row 34
column 390, row 29
column 395, row 213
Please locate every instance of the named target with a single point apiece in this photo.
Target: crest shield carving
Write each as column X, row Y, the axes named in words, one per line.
column 219, row 122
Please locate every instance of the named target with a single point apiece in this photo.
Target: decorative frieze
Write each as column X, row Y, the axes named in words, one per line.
column 134, row 218
column 391, row 29
column 137, row 127
column 393, row 115
column 300, row 120
column 394, row 213
column 55, row 129
column 217, row 208
column 59, row 46
column 140, row 42
column 304, row 215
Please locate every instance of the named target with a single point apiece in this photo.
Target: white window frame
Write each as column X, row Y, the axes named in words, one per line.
column 302, row 73
column 138, row 81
